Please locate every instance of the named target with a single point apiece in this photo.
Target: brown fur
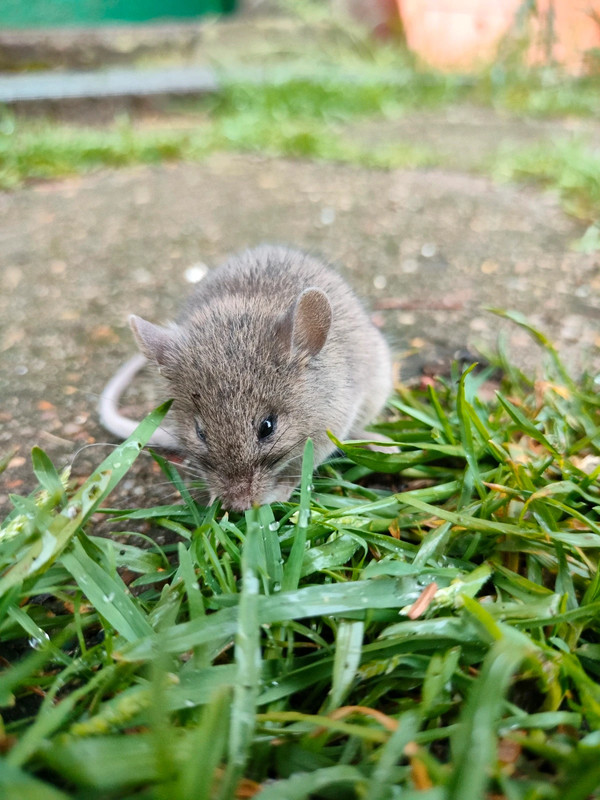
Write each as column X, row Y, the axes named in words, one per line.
column 271, row 332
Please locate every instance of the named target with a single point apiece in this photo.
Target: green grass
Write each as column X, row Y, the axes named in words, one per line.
column 569, row 167
column 434, row 635
column 43, row 150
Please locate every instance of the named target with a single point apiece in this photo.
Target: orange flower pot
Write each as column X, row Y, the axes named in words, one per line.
column 456, row 34
column 459, row 35
column 564, row 32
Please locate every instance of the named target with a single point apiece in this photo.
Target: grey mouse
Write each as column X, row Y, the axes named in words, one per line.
column 271, row 348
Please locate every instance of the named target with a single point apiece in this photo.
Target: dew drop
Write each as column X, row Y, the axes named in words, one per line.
column 274, row 526
column 35, row 642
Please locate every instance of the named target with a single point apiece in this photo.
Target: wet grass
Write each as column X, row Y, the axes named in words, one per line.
column 416, row 624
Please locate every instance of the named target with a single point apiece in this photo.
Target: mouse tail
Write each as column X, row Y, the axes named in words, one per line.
column 108, row 406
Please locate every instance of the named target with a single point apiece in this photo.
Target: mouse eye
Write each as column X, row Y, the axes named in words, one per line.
column 267, row 426
column 199, row 432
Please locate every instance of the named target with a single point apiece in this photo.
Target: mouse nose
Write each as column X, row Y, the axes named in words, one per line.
column 240, row 495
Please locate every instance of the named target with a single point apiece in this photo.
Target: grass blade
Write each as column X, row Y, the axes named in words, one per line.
column 248, row 660
column 293, row 568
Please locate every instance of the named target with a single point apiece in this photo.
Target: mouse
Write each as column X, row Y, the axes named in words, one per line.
column 271, row 348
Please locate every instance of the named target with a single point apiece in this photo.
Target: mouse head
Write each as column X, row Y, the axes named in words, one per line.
column 248, row 391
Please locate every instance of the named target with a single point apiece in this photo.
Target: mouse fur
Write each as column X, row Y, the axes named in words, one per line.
column 271, row 348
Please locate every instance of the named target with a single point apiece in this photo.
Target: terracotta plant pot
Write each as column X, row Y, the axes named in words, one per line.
column 565, row 32
column 459, row 35
column 456, row 34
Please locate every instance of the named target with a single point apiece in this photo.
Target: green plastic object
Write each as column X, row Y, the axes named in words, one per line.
column 52, row 13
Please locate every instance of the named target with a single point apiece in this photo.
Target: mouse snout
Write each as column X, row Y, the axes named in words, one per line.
column 240, row 494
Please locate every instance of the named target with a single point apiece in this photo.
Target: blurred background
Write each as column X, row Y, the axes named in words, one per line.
column 444, row 154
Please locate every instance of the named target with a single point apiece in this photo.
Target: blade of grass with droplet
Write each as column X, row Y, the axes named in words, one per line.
column 433, row 541
column 218, row 573
column 310, row 601
column 137, row 559
column 272, row 550
column 439, row 674
column 175, row 527
column 348, row 651
column 44, row 550
column 221, row 530
column 292, row 569
column 472, row 475
column 108, row 594
column 332, row 554
column 39, row 636
column 564, row 580
column 24, row 672
column 247, row 658
column 195, row 600
column 190, row 581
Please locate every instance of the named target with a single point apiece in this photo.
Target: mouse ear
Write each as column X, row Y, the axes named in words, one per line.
column 153, row 341
column 306, row 325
